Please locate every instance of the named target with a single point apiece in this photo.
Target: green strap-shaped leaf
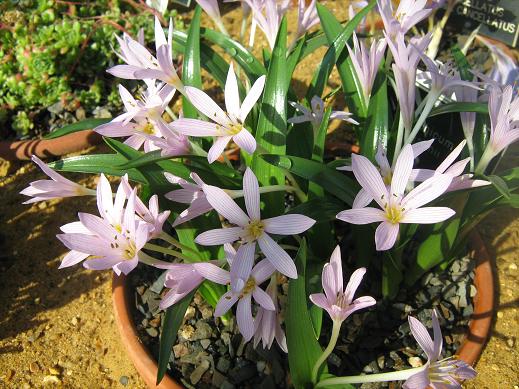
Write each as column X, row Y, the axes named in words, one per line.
column 333, row 182
column 96, row 164
column 210, row 60
column 459, row 107
column 172, row 321
column 191, row 64
column 376, row 126
column 271, row 128
column 337, row 37
column 304, row 349
column 462, row 64
column 87, row 124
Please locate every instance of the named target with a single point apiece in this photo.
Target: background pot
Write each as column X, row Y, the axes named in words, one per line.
column 45, row 148
column 470, row 350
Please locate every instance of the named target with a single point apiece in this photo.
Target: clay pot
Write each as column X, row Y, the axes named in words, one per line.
column 45, row 148
column 470, row 350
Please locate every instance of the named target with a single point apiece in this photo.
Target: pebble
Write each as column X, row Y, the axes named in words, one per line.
column 206, row 312
column 51, row 379
column 196, row 375
column 203, row 330
column 34, row 367
column 155, row 322
column 9, row 375
column 186, row 333
column 205, row 343
column 512, row 267
column 153, row 332
column 381, row 361
column 55, row 370
column 473, row 291
column 75, row 321
column 218, row 379
column 260, row 366
column 223, row 365
column 123, row 380
column 190, row 313
column 415, row 361
column 500, row 315
column 180, row 350
column 226, row 338
column 510, row 342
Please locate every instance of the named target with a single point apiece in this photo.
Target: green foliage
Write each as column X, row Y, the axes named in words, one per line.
column 58, row 53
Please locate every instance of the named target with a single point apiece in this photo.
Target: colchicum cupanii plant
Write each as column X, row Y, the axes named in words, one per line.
column 235, row 228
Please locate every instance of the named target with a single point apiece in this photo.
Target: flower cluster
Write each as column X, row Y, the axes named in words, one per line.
column 265, row 208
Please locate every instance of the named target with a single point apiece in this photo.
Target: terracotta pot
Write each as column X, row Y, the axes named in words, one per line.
column 140, row 356
column 44, row 148
column 470, row 350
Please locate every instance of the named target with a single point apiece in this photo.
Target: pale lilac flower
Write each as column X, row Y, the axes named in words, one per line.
column 141, row 64
column 111, row 208
column 363, row 198
column 453, row 169
column 406, row 62
column 366, row 63
column 267, row 15
column 138, row 133
column 396, row 207
column 172, row 143
column 182, row 278
column 505, row 70
column 306, row 17
column 442, row 77
column 109, row 247
column 227, row 125
column 151, row 214
column 212, row 9
column 503, row 109
column 353, row 9
column 468, row 119
column 142, row 121
column 57, row 187
column 150, row 107
column 407, row 15
column 437, row 374
column 267, row 323
column 191, row 194
column 337, row 302
column 245, row 285
column 315, row 115
column 250, row 228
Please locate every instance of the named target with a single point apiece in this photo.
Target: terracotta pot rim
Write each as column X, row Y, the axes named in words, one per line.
column 470, row 350
column 44, row 148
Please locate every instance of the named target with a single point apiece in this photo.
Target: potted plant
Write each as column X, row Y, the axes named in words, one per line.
column 272, row 232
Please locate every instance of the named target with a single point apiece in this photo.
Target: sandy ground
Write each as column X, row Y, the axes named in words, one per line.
column 57, row 328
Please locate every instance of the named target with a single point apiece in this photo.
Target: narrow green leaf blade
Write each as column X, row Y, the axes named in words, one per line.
column 304, row 349
column 331, row 180
column 459, row 107
column 172, row 321
column 271, row 128
column 191, row 74
column 96, row 164
column 376, row 127
column 87, row 124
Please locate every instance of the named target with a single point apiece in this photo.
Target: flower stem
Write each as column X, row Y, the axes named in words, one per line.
column 168, row 238
column 149, row 260
column 431, row 100
column 164, row 250
column 399, row 139
column 360, row 379
column 328, row 350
